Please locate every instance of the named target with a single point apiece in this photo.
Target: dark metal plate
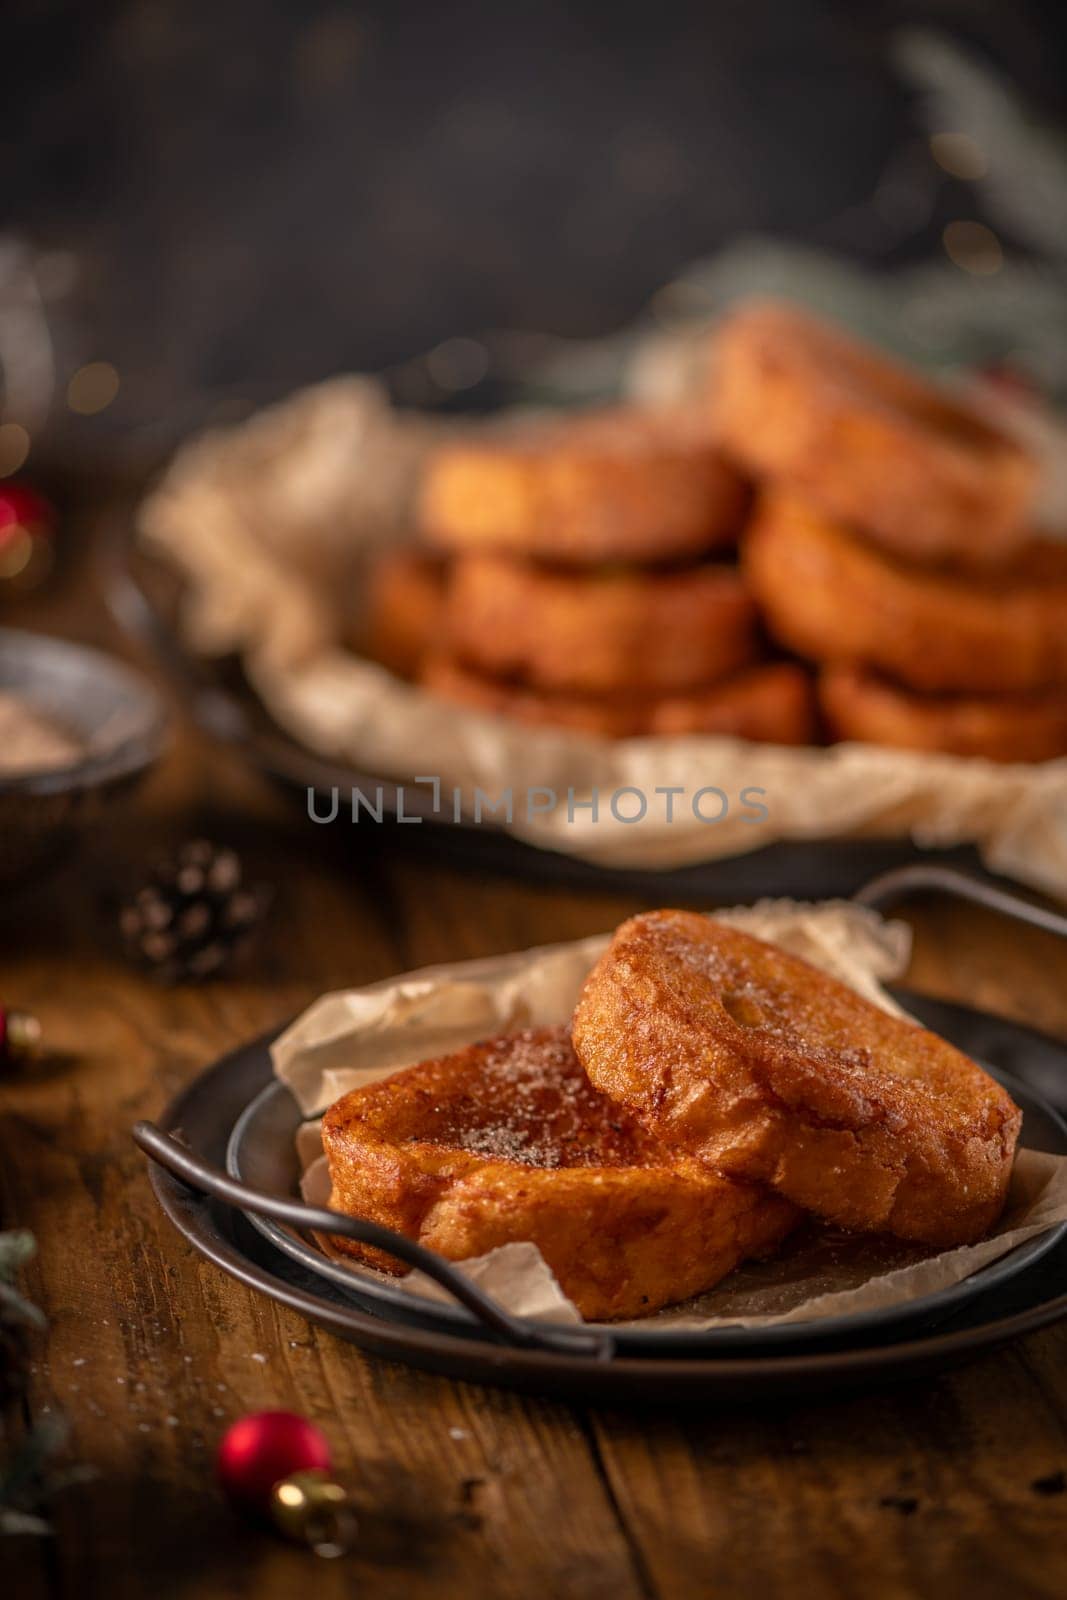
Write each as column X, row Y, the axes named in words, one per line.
column 1029, row 1299
column 261, row 1153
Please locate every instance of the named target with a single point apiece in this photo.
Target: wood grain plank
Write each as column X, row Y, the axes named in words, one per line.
column 152, row 1351
column 979, row 957
column 951, row 1487
column 946, row 1487
column 925, row 1494
column 455, row 916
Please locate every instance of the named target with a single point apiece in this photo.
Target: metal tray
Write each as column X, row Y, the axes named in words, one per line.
column 260, row 1152
column 888, row 1347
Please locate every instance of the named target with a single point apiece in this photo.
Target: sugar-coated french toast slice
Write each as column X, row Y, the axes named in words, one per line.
column 772, row 702
column 771, row 1070
column 405, row 602
column 601, row 631
column 828, row 594
column 862, row 705
column 627, row 485
column 870, row 443
column 507, row 1140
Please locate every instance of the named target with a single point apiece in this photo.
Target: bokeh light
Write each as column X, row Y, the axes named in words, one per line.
column 973, row 247
column 14, row 447
column 92, row 388
column 16, row 550
column 458, row 363
column 959, row 155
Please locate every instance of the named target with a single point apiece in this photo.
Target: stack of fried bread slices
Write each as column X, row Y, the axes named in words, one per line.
column 586, row 578
column 891, row 545
column 583, row 572
column 710, row 1091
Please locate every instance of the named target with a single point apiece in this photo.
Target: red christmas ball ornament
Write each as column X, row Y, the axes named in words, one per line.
column 263, row 1448
column 27, row 526
column 19, row 503
column 277, row 1466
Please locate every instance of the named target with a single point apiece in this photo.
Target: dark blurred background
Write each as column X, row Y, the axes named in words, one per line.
column 222, row 201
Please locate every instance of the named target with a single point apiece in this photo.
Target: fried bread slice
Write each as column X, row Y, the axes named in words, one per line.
column 830, row 595
column 861, row 705
column 601, row 630
column 772, row 703
column 620, row 485
column 607, row 716
column 507, row 1140
column 405, row 601
column 772, row 1071
column 868, row 441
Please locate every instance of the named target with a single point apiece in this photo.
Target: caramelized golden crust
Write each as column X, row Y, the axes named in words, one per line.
column 621, row 485
column 771, row 704
column 600, row 716
column 508, row 1141
column 1010, row 727
column 772, row 1071
column 866, row 440
column 405, row 600
column 828, row 595
column 601, row 631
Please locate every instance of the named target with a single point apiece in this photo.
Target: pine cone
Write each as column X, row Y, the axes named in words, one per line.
column 193, row 915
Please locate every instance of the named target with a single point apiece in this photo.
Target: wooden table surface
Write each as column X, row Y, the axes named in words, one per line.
column 955, row 1486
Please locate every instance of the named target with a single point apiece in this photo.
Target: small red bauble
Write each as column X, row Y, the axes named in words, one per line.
column 27, row 524
column 23, row 505
column 263, row 1448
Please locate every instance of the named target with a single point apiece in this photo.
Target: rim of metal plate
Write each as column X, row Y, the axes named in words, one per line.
column 380, row 1294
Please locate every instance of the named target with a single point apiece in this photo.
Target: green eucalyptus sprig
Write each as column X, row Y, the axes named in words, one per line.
column 28, row 1474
